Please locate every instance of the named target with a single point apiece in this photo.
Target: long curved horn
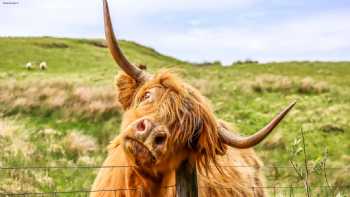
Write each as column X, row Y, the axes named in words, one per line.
column 130, row 69
column 237, row 141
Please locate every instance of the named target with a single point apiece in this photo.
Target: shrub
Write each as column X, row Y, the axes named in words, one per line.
column 214, row 63
column 247, row 61
column 52, row 45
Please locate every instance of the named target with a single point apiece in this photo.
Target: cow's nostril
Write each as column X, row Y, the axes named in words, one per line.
column 141, row 126
column 159, row 140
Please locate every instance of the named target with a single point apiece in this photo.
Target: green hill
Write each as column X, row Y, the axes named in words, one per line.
column 65, row 116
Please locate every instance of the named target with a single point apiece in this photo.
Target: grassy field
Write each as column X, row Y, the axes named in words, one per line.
column 66, row 115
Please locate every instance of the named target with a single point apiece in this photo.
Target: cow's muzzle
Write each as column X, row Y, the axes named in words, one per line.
column 146, row 141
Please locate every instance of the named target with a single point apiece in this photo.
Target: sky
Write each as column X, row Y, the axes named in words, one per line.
column 197, row 30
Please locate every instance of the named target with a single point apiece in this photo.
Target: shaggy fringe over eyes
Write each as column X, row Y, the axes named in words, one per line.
column 185, row 110
column 126, row 88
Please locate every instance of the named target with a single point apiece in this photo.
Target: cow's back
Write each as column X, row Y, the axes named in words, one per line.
column 243, row 176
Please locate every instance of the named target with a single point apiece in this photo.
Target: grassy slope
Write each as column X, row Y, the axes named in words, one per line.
column 230, row 89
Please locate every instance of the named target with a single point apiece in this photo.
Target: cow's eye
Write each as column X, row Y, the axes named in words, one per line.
column 146, row 96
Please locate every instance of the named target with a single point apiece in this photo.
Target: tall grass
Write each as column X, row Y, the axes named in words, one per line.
column 67, row 114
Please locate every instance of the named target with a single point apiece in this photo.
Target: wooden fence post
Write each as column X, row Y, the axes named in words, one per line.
column 186, row 180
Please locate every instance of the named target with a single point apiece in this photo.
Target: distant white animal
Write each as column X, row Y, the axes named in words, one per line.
column 43, row 66
column 29, row 66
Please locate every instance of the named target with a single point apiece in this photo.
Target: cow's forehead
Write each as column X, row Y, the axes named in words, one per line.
column 165, row 79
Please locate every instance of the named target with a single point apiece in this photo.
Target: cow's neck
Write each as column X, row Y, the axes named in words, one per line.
column 150, row 183
column 149, row 176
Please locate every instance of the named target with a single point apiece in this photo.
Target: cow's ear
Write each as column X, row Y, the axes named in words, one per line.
column 126, row 89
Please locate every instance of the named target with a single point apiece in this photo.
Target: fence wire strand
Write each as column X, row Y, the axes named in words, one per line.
column 128, row 166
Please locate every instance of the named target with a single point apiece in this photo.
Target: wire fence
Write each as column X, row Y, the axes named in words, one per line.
column 272, row 190
column 277, row 189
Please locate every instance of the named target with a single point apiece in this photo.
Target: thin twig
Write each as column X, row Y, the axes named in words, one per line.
column 306, row 181
column 296, row 169
column 324, row 169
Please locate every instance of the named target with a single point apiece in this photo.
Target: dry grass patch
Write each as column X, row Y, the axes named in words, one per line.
column 52, row 96
column 271, row 83
column 79, row 144
column 22, row 146
column 278, row 83
column 14, row 141
column 309, row 85
column 275, row 141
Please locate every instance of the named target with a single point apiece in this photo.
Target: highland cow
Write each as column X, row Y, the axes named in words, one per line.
column 165, row 123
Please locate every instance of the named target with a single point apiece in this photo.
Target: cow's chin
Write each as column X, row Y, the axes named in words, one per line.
column 138, row 153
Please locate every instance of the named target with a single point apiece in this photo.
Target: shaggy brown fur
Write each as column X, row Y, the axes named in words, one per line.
column 193, row 130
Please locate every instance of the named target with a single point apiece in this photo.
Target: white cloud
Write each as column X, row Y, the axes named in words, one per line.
column 151, row 6
column 321, row 36
column 315, row 37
